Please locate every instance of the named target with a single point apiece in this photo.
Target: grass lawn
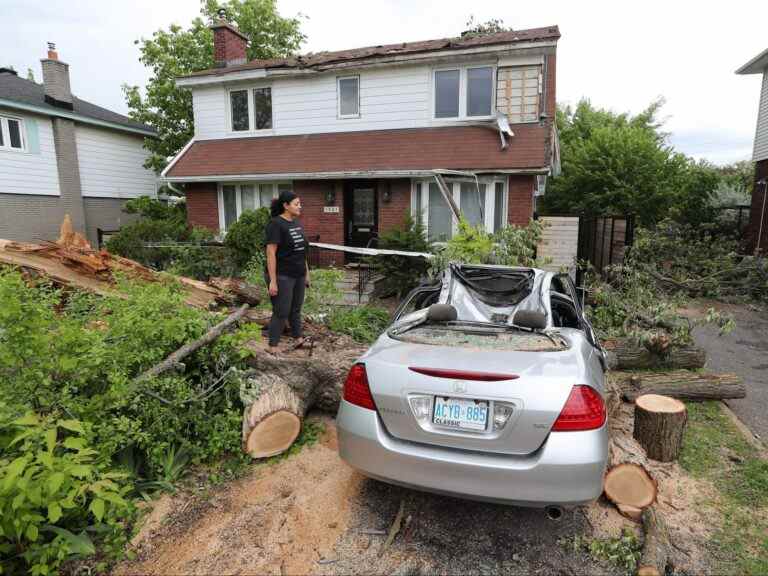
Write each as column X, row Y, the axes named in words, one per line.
column 715, row 450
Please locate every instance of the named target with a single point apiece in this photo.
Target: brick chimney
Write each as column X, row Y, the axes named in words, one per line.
column 229, row 44
column 56, row 79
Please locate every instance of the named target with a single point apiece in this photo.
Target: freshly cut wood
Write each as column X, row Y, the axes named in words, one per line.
column 659, row 425
column 655, row 554
column 625, row 354
column 684, row 384
column 630, row 488
column 273, row 421
column 175, row 358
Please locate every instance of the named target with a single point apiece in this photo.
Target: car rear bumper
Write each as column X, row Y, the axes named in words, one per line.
column 567, row 470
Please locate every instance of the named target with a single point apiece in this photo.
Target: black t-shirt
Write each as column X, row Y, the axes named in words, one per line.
column 291, row 246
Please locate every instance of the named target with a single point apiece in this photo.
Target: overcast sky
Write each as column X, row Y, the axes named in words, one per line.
column 620, row 55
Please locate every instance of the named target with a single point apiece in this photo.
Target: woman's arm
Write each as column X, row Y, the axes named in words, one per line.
column 272, row 268
column 306, row 278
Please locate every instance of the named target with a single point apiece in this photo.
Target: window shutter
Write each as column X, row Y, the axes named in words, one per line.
column 33, row 136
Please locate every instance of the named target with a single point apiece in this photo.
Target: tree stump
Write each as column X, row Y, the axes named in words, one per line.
column 630, row 488
column 659, row 425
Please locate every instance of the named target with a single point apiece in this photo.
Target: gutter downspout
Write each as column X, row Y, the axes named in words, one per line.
column 764, row 184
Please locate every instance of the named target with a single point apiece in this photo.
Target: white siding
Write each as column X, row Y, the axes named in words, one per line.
column 32, row 171
column 389, row 98
column 112, row 164
column 761, row 135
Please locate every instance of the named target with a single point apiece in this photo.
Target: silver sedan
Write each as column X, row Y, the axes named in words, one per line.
column 488, row 385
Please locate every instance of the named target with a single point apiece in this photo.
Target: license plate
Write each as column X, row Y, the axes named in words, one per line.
column 460, row 413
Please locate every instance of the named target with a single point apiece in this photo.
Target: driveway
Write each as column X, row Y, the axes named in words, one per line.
column 744, row 352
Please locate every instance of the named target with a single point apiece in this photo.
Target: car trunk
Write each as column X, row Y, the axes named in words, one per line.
column 531, row 379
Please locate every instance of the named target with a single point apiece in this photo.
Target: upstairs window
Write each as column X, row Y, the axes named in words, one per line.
column 239, row 101
column 464, row 93
column 349, row 97
column 246, row 118
column 11, row 130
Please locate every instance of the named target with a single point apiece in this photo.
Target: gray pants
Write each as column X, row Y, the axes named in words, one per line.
column 286, row 306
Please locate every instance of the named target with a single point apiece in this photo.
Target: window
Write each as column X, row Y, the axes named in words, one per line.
column 463, row 93
column 11, row 134
column 349, row 97
column 262, row 108
column 519, row 92
column 446, row 93
column 482, row 203
column 234, row 199
column 239, row 101
column 244, row 117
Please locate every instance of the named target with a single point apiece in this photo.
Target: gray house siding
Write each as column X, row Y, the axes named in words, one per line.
column 761, row 134
column 104, row 213
column 29, row 217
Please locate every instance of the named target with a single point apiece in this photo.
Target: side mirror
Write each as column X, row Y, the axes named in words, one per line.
column 441, row 313
column 531, row 319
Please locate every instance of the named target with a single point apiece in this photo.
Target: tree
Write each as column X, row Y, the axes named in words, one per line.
column 618, row 163
column 178, row 51
column 30, row 75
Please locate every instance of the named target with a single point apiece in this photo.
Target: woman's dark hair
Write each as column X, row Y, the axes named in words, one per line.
column 278, row 204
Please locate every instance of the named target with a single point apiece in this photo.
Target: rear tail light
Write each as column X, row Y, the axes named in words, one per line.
column 356, row 388
column 584, row 410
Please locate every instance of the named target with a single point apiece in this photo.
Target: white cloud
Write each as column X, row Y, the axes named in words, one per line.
column 620, row 55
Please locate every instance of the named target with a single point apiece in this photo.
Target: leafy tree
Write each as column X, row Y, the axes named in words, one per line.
column 617, row 163
column 178, row 51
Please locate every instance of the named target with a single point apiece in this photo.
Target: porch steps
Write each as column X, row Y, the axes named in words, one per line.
column 349, row 288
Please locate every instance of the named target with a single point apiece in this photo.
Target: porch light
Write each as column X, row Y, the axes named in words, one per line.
column 386, row 194
column 330, row 197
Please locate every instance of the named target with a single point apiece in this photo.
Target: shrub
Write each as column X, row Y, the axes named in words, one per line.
column 245, row 238
column 324, row 293
column 402, row 273
column 517, row 245
column 363, row 323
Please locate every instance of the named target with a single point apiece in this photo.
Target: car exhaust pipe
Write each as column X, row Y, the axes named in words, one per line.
column 554, row 513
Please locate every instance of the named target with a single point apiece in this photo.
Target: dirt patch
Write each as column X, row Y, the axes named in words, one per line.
column 282, row 519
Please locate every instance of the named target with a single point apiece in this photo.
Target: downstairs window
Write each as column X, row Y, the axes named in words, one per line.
column 234, row 199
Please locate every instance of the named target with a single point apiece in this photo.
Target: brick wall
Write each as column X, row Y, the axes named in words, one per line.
column 330, row 227
column 203, row 205
column 228, row 46
column 521, row 199
column 753, row 231
column 392, row 213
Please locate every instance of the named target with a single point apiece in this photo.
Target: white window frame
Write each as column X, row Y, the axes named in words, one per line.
column 338, row 96
column 463, row 91
column 455, row 187
column 239, row 197
column 6, row 146
column 252, row 130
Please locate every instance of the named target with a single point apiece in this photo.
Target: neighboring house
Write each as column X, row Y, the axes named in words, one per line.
column 62, row 155
column 358, row 134
column 757, row 235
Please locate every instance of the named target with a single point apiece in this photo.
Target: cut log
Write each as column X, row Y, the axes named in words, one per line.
column 175, row 358
column 273, row 421
column 655, row 554
column 684, row 384
column 625, row 354
column 630, row 488
column 659, row 425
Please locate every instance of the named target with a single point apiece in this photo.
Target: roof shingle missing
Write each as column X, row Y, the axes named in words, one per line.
column 320, row 59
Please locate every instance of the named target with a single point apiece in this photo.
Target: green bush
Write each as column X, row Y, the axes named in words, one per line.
column 402, row 273
column 517, row 245
column 324, row 293
column 363, row 323
column 54, row 489
column 245, row 238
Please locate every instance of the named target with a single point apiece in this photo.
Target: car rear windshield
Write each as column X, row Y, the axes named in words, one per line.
column 483, row 338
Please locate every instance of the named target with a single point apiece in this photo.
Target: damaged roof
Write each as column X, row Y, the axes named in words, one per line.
column 450, row 148
column 321, row 59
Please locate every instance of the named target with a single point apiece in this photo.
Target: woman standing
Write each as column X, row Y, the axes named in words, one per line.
column 287, row 268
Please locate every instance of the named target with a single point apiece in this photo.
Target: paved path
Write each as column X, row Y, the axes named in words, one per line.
column 744, row 352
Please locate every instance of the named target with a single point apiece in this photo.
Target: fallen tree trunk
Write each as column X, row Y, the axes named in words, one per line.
column 659, row 426
column 655, row 554
column 684, row 384
column 175, row 358
column 239, row 291
column 630, row 488
column 624, row 354
column 279, row 391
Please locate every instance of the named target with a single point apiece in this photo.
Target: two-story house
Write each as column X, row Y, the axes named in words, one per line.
column 359, row 134
column 757, row 235
column 62, row 155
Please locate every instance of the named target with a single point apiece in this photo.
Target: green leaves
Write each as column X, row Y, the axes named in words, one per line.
column 97, row 507
column 72, row 425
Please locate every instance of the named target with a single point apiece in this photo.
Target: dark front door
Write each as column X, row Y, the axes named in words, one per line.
column 360, row 214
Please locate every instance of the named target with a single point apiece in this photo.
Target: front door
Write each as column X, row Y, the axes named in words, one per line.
column 360, row 210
